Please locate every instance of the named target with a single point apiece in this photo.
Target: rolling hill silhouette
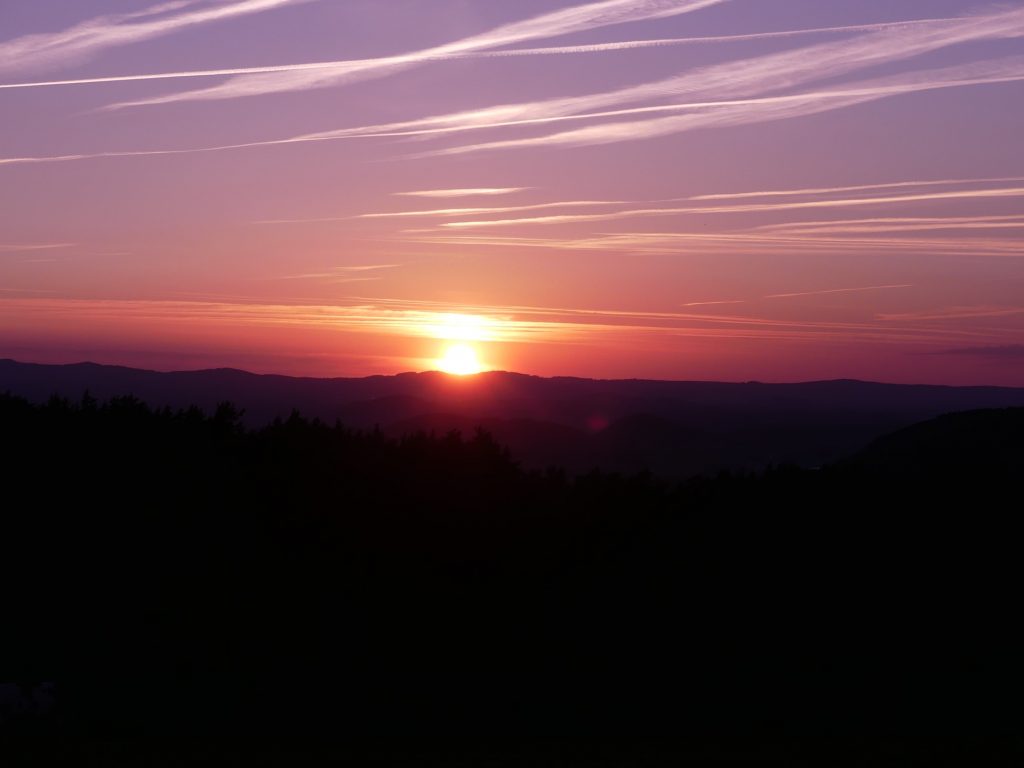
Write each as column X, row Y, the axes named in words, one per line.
column 991, row 439
column 178, row 577
column 672, row 428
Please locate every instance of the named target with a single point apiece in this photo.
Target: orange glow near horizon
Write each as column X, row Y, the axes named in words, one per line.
column 160, row 208
column 460, row 360
column 462, row 327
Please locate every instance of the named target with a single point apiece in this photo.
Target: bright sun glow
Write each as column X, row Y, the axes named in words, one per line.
column 454, row 327
column 460, row 360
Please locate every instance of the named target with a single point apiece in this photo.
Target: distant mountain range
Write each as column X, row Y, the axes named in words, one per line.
column 672, row 428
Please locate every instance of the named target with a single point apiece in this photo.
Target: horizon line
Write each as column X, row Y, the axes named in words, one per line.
column 473, row 376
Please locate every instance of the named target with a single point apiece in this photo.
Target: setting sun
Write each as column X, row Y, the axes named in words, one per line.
column 460, row 360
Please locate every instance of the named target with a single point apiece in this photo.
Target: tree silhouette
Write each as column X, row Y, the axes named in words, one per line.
column 177, row 573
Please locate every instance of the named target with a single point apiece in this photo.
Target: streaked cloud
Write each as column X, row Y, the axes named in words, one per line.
column 347, row 274
column 837, row 290
column 501, row 323
column 759, row 110
column 737, row 79
column 769, row 73
column 996, row 192
column 897, row 224
column 954, row 313
column 367, row 267
column 857, row 188
column 630, row 249
column 449, row 212
column 711, row 303
column 486, row 192
column 1008, row 352
column 854, row 226
column 47, row 50
column 579, row 18
column 698, row 115
column 344, row 64
column 330, row 277
column 743, row 243
column 19, row 248
column 798, row 294
column 491, row 210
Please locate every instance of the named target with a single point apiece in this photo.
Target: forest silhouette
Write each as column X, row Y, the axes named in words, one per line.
column 178, row 575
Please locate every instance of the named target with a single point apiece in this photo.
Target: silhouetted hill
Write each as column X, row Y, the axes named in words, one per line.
column 955, row 442
column 180, row 577
column 544, row 443
column 673, row 428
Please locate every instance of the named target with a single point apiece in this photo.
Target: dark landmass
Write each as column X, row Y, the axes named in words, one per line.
column 674, row 429
column 199, row 592
column 989, row 439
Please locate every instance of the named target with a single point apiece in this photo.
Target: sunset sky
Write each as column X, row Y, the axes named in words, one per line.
column 777, row 190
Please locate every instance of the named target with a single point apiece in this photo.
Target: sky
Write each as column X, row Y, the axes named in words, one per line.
column 771, row 190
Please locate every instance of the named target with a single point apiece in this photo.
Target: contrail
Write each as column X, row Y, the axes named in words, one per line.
column 472, row 192
column 549, row 51
column 32, row 247
column 857, row 188
column 565, row 21
column 750, row 111
column 746, row 208
column 838, row 290
column 91, row 37
column 734, row 112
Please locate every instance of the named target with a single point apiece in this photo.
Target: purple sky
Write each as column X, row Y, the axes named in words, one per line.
column 693, row 189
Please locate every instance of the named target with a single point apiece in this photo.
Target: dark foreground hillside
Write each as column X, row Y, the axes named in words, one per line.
column 301, row 594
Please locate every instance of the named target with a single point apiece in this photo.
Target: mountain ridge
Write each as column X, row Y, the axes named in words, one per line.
column 491, row 373
column 672, row 428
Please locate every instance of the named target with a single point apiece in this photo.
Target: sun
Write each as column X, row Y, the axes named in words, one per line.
column 460, row 360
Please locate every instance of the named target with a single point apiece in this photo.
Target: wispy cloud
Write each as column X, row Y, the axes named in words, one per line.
column 857, row 188
column 799, row 294
column 705, row 113
column 732, row 80
column 19, row 248
column 837, row 290
column 997, row 192
column 897, row 224
column 579, row 18
column 711, row 303
column 696, row 115
column 348, row 274
column 330, row 277
column 954, row 313
column 344, row 65
column 503, row 323
column 769, row 73
column 89, row 38
column 1011, row 352
column 735, row 243
column 448, row 212
column 743, row 242
column 485, row 192
column 825, row 226
column 758, row 110
column 367, row 267
column 444, row 212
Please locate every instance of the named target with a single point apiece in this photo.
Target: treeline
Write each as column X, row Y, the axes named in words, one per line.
column 176, row 573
